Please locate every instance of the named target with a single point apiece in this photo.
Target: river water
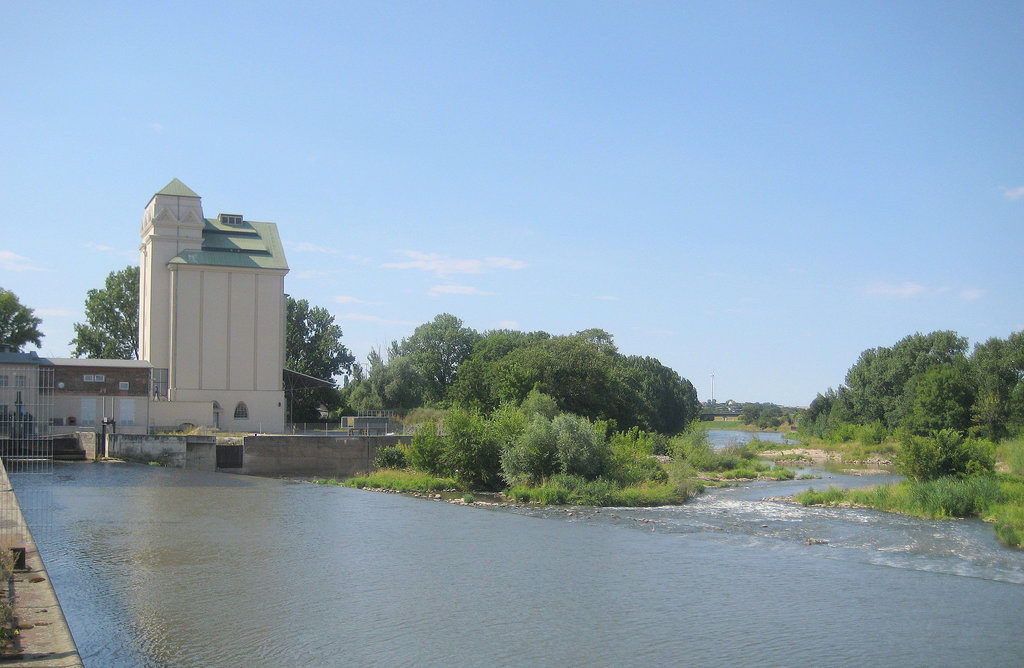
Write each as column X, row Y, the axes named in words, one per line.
column 167, row 567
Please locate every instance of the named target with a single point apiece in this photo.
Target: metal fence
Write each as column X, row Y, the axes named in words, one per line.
column 26, row 447
column 26, row 418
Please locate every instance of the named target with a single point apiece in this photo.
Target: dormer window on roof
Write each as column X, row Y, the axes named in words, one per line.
column 230, row 219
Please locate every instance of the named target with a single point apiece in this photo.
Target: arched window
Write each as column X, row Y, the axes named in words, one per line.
column 241, row 411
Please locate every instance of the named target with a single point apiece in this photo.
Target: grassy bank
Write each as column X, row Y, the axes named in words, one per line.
column 997, row 498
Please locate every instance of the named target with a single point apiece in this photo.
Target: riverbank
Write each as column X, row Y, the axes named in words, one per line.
column 996, row 497
column 39, row 632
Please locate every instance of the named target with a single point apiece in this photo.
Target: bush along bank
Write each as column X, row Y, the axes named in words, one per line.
column 535, row 454
column 948, row 476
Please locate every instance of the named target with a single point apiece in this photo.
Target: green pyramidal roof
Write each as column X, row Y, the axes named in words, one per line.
column 178, row 189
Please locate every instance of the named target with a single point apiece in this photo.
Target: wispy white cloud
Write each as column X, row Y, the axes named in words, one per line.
column 508, row 324
column 972, row 293
column 442, row 265
column 456, row 290
column 11, row 261
column 157, row 127
column 1013, row 193
column 345, row 299
column 608, row 298
column 902, row 290
column 307, row 247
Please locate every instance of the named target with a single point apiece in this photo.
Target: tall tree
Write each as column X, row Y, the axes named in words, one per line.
column 18, row 323
column 437, row 348
column 313, row 347
column 939, row 398
column 877, row 383
column 998, row 366
column 111, row 330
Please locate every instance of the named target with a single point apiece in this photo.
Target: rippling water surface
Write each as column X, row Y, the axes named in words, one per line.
column 166, row 567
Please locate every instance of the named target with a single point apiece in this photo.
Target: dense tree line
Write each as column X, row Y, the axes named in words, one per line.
column 926, row 383
column 445, row 363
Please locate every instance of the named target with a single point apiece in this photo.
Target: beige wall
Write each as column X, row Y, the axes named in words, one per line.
column 219, row 330
column 170, row 224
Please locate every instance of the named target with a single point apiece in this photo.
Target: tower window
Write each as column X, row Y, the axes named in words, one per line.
column 241, row 411
column 231, row 219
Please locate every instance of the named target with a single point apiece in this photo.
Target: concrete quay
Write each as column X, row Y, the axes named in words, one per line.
column 43, row 636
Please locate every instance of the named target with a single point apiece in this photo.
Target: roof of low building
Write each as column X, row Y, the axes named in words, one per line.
column 93, row 362
column 11, row 357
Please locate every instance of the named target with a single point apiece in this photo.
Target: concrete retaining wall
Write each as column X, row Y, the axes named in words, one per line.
column 271, row 456
column 193, row 452
column 312, row 456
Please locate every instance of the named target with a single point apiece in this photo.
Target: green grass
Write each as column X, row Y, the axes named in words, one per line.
column 397, row 481
column 1011, row 453
column 571, row 490
column 997, row 498
column 850, row 451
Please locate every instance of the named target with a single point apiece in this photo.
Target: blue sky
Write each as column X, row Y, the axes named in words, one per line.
column 759, row 190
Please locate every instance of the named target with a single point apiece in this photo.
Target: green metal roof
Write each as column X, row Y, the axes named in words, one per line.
column 255, row 245
column 177, row 189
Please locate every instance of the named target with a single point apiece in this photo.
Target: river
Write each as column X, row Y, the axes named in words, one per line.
column 167, row 567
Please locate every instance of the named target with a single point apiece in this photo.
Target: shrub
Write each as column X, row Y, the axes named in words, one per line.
column 693, row 448
column 945, row 452
column 829, row 497
column 391, row 457
column 629, row 458
column 842, row 432
column 532, row 455
column 538, row 403
column 580, row 451
column 468, row 451
column 426, row 449
column 872, row 434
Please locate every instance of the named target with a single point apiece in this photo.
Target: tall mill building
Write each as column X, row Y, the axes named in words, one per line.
column 211, row 336
column 211, row 315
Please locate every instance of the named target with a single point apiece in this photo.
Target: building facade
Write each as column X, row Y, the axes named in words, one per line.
column 211, row 315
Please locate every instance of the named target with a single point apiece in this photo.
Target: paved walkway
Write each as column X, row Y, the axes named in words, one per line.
column 44, row 638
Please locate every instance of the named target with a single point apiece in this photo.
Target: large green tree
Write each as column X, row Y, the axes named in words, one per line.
column 939, row 398
column 998, row 372
column 313, row 347
column 437, row 349
column 877, row 383
column 111, row 330
column 18, row 323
